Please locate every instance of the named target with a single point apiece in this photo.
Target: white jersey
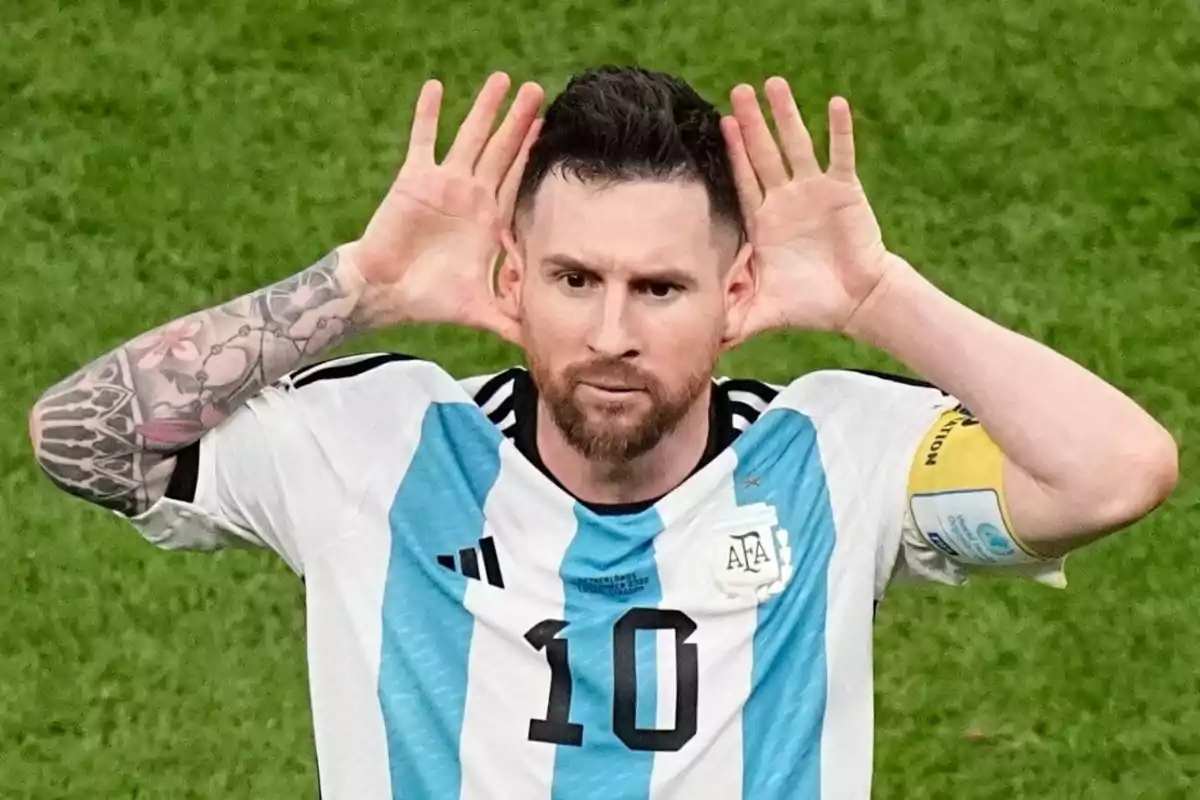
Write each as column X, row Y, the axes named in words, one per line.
column 476, row 632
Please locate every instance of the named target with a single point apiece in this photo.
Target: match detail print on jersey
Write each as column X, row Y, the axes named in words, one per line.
column 956, row 494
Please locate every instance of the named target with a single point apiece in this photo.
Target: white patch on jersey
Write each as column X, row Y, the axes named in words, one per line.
column 750, row 557
column 508, row 682
column 710, row 765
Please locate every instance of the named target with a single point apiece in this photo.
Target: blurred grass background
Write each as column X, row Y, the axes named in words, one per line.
column 1038, row 161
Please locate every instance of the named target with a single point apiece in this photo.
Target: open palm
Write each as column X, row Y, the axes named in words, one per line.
column 817, row 248
column 432, row 244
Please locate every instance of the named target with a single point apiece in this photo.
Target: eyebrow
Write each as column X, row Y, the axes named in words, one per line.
column 663, row 275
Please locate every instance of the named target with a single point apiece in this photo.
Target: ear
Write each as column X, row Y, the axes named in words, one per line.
column 508, row 278
column 741, row 286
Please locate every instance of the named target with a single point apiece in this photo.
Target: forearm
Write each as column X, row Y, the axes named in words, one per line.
column 1089, row 448
column 107, row 432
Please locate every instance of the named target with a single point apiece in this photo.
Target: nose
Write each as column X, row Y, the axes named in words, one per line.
column 610, row 334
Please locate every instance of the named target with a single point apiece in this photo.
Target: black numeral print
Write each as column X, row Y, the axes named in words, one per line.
column 557, row 728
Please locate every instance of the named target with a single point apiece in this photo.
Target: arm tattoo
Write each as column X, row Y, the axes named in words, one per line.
column 108, row 432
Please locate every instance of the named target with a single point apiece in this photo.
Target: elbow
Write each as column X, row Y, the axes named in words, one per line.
column 1163, row 469
column 35, row 430
column 1110, row 493
column 1146, row 479
column 37, row 445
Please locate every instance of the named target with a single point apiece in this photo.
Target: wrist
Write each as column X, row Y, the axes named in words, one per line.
column 894, row 302
column 374, row 305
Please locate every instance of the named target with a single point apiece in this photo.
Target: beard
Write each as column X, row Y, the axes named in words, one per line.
column 625, row 426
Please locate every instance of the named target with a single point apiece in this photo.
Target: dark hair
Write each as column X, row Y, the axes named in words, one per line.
column 616, row 124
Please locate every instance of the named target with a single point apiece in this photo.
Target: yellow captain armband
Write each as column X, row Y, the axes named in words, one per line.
column 956, row 494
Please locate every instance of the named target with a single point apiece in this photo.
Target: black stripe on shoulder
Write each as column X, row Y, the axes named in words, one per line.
column 485, row 392
column 904, row 379
column 761, row 390
column 331, row 370
column 500, row 412
column 182, row 485
column 748, row 413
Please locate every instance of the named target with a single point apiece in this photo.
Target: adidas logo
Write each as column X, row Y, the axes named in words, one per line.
column 468, row 562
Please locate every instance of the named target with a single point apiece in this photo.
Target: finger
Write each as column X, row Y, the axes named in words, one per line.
column 477, row 127
column 760, row 144
column 841, row 141
column 422, row 137
column 793, row 135
column 506, row 198
column 749, row 192
column 506, row 144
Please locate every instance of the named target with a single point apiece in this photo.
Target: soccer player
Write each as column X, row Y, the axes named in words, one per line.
column 610, row 574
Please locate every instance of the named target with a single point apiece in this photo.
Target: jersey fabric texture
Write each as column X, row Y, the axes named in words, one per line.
column 474, row 631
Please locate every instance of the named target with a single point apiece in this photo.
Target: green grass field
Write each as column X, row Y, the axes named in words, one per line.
column 1038, row 161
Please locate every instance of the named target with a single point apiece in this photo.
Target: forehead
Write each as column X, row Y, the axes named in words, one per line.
column 629, row 221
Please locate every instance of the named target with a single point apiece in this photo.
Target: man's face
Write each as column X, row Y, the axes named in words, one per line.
column 624, row 297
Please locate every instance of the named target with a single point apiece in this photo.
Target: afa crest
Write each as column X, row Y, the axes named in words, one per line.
column 750, row 553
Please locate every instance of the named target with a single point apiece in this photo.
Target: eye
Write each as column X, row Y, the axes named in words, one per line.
column 574, row 280
column 660, row 289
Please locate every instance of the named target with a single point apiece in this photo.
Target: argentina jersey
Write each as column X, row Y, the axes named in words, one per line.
column 474, row 631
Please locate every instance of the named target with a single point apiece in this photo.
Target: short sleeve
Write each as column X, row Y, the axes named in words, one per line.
column 955, row 519
column 877, row 423
column 282, row 471
column 259, row 477
column 881, row 419
column 907, row 427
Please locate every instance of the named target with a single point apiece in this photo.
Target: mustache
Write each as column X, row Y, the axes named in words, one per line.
column 610, row 371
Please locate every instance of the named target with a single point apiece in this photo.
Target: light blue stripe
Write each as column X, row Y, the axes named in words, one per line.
column 779, row 463
column 438, row 508
column 607, row 569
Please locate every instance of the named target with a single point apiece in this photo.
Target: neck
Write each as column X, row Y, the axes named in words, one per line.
column 649, row 476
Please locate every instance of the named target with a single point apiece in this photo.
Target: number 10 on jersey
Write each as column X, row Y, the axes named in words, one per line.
column 556, row 727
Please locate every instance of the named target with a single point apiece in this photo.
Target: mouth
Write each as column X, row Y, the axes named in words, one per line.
column 610, row 389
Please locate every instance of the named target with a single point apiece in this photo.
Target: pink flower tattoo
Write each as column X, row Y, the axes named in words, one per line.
column 174, row 340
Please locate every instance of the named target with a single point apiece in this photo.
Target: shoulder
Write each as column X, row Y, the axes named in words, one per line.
column 395, row 382
column 826, row 391
column 855, row 392
column 369, row 373
column 345, row 373
column 845, row 406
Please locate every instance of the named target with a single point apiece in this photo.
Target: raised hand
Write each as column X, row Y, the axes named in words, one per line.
column 429, row 250
column 817, row 247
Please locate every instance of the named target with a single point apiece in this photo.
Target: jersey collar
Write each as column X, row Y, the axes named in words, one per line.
column 721, row 434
